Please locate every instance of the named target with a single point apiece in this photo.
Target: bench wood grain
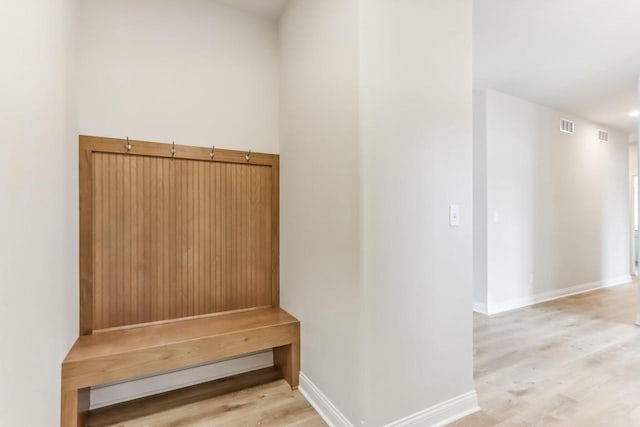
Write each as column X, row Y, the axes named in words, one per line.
column 134, row 352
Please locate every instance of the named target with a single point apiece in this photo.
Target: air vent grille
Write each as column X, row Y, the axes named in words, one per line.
column 566, row 126
column 603, row 136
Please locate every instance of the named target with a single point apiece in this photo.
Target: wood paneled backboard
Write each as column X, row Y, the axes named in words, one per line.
column 166, row 236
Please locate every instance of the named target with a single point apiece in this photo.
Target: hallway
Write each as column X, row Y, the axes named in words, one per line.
column 570, row 362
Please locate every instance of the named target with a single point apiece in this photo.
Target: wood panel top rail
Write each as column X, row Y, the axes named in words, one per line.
column 156, row 149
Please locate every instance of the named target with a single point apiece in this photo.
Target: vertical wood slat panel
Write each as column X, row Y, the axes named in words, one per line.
column 98, row 222
column 87, row 226
column 177, row 238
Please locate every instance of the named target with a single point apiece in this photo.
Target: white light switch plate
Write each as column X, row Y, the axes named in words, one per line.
column 454, row 215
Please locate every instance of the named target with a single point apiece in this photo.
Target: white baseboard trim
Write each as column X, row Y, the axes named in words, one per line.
column 323, row 406
column 111, row 394
column 501, row 307
column 480, row 307
column 436, row 416
column 443, row 413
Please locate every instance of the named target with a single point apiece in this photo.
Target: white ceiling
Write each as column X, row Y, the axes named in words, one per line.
column 271, row 9
column 578, row 56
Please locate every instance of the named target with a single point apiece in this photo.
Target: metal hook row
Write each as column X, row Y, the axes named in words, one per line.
column 128, row 147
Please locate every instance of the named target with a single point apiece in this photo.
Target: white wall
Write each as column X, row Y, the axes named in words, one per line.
column 376, row 144
column 479, row 202
column 637, row 138
column 557, row 204
column 193, row 71
column 417, row 160
column 38, row 208
column 633, row 157
column 320, row 192
column 633, row 170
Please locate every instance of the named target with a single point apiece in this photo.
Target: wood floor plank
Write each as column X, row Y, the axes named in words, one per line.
column 570, row 362
column 258, row 398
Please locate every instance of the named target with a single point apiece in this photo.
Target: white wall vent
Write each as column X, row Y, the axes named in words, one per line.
column 566, row 126
column 603, row 136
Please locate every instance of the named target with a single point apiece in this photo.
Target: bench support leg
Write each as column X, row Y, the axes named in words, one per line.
column 287, row 360
column 74, row 407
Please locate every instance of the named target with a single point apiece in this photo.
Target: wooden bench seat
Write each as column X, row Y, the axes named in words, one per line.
column 121, row 354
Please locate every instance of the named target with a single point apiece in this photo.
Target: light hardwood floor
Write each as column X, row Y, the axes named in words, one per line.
column 259, row 398
column 570, row 362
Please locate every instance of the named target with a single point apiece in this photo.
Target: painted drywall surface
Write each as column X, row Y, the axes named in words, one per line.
column 633, row 170
column 416, row 139
column 38, row 205
column 320, row 193
column 557, row 203
column 479, row 201
column 637, row 138
column 194, row 71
